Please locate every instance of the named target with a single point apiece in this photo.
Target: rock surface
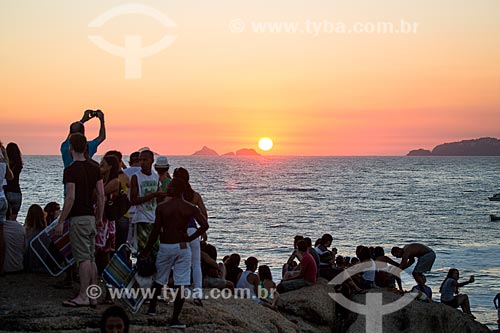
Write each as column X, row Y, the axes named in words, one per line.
column 29, row 302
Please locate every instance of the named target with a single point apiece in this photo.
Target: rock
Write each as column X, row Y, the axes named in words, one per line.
column 315, row 311
column 420, row 317
column 247, row 152
column 312, row 307
column 475, row 147
column 35, row 305
column 205, row 151
column 31, row 303
column 420, row 152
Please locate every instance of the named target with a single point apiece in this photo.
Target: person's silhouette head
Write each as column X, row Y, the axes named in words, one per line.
column 77, row 127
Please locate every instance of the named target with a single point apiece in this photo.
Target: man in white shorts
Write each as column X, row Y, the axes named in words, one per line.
column 171, row 223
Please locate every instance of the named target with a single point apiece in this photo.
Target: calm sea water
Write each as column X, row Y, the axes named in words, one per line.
column 257, row 205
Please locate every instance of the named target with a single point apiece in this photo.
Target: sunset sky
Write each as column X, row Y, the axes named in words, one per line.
column 324, row 94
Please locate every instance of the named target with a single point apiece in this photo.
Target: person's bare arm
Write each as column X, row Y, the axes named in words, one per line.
column 255, row 282
column 201, row 205
column 208, row 260
column 135, row 199
column 406, row 261
column 202, row 221
column 155, row 233
column 461, row 284
column 102, row 129
column 388, row 260
column 69, row 200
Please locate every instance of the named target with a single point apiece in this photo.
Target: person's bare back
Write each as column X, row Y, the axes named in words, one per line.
column 415, row 250
column 173, row 216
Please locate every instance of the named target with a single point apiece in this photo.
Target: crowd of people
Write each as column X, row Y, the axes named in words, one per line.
column 167, row 219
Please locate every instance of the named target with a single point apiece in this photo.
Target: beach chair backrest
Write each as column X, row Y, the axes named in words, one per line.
column 119, row 273
column 54, row 252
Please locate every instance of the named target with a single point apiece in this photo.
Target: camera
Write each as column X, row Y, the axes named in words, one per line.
column 93, row 114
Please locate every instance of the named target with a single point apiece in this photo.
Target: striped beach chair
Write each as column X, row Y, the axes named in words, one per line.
column 54, row 252
column 120, row 274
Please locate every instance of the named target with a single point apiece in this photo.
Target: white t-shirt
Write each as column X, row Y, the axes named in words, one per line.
column 147, row 184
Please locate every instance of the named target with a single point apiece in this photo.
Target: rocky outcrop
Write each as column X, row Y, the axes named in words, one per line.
column 315, row 311
column 475, row 147
column 247, row 152
column 29, row 302
column 205, row 151
column 420, row 152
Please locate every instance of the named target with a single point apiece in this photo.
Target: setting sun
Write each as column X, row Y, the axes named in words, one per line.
column 265, row 144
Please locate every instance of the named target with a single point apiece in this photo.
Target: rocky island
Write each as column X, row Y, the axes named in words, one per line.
column 475, row 147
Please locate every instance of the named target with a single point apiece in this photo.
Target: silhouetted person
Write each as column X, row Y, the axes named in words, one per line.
column 78, row 127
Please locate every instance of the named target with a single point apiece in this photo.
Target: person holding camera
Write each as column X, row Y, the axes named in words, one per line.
column 78, row 127
column 449, row 291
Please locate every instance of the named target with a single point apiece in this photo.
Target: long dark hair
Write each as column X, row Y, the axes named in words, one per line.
column 14, row 154
column 449, row 276
column 35, row 219
column 184, row 175
column 115, row 167
column 265, row 273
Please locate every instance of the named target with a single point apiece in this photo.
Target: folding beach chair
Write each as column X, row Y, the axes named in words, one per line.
column 54, row 252
column 120, row 274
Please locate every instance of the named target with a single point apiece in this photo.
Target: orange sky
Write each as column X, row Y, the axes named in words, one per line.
column 331, row 94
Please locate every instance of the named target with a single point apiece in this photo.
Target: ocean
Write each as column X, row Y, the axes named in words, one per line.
column 257, row 205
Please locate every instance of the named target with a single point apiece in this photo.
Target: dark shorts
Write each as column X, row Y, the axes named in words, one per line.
column 14, row 199
column 425, row 262
column 453, row 303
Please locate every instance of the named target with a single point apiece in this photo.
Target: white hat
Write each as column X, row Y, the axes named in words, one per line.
column 162, row 162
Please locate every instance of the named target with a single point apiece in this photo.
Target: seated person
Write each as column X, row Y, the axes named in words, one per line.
column 291, row 265
column 34, row 224
column 326, row 257
column 449, row 291
column 367, row 277
column 15, row 245
column 268, row 294
column 307, row 274
column 213, row 273
column 232, row 268
column 248, row 281
column 423, row 295
column 386, row 276
column 312, row 252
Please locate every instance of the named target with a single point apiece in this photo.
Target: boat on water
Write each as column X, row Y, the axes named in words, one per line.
column 496, row 197
column 494, row 218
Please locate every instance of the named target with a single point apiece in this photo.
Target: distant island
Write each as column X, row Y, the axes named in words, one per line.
column 205, row 151
column 474, row 147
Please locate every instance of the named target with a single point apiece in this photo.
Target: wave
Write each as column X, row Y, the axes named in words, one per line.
column 300, row 189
